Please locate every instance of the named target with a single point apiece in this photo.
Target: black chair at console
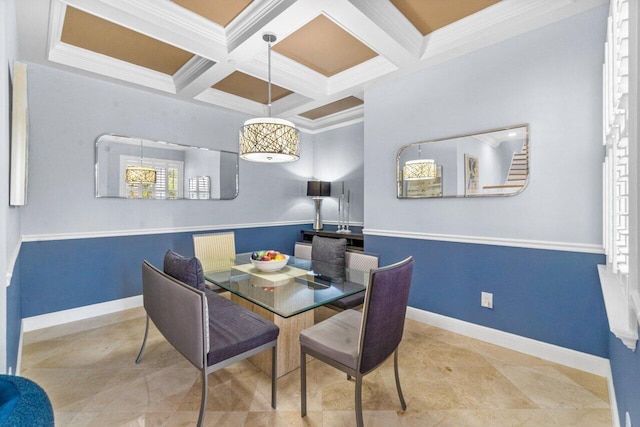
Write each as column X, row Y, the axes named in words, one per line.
column 207, row 329
column 332, row 259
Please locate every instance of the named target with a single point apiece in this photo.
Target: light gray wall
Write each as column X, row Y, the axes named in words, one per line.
column 9, row 216
column 69, row 111
column 549, row 78
column 339, row 156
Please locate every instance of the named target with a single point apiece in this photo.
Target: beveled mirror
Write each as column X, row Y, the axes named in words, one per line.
column 136, row 168
column 488, row 163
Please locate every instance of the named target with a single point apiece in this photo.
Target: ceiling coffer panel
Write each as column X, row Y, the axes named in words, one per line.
column 325, row 47
column 89, row 32
column 249, row 87
column 430, row 15
column 332, row 108
column 220, row 12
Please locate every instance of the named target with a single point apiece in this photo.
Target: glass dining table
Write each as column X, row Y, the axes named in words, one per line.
column 286, row 297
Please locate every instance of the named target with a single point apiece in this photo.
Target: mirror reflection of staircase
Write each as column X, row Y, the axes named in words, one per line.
column 518, row 172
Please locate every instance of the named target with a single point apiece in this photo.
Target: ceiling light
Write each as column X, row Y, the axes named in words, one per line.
column 140, row 174
column 419, row 169
column 269, row 139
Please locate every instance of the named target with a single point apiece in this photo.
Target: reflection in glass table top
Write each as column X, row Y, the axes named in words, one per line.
column 299, row 286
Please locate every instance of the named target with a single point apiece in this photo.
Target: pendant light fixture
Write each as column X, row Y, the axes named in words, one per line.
column 268, row 139
column 420, row 168
column 140, row 174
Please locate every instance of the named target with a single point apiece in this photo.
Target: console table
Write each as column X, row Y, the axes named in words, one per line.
column 355, row 242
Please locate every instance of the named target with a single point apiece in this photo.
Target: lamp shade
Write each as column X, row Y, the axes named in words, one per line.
column 269, row 139
column 140, row 175
column 419, row 169
column 318, row 188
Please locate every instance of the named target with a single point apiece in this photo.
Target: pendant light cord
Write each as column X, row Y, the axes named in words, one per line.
column 269, row 77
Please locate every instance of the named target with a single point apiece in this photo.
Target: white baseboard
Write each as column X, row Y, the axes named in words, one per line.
column 88, row 311
column 564, row 356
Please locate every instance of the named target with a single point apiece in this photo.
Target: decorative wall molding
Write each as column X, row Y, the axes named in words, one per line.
column 495, row 241
column 143, row 232
column 553, row 353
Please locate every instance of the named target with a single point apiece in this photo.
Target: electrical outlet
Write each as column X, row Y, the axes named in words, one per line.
column 486, row 300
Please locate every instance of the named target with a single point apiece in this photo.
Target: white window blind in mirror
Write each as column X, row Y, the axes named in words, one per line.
column 619, row 277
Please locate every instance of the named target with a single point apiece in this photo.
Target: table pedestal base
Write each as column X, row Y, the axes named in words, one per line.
column 288, row 340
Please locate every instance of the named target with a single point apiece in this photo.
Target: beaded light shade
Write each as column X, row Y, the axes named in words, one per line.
column 268, row 139
column 419, row 169
column 140, row 175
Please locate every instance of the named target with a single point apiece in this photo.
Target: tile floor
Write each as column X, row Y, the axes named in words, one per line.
column 88, row 370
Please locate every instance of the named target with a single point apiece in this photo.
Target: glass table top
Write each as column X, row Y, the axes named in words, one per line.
column 299, row 286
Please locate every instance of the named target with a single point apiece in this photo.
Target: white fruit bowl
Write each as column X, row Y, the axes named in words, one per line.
column 270, row 266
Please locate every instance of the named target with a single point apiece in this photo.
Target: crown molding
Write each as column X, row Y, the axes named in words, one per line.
column 191, row 71
column 100, row 64
column 394, row 24
column 231, row 102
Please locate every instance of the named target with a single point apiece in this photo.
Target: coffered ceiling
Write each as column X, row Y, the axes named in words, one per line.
column 326, row 53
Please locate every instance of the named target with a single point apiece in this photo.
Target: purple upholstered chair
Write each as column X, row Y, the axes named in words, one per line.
column 357, row 343
column 209, row 330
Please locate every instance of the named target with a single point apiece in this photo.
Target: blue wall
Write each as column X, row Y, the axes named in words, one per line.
column 64, row 274
column 14, row 317
column 625, row 367
column 550, row 296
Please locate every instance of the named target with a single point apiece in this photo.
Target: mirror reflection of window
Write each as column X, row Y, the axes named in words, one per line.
column 215, row 172
column 200, row 187
column 168, row 179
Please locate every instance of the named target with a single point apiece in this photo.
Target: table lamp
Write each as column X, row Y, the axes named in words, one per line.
column 318, row 190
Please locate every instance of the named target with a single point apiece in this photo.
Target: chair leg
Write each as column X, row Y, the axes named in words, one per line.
column 144, row 342
column 359, row 420
column 395, row 368
column 203, row 399
column 274, row 375
column 303, row 384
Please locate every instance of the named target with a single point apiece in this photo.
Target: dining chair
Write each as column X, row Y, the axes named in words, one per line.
column 215, row 251
column 209, row 330
column 357, row 343
column 329, row 250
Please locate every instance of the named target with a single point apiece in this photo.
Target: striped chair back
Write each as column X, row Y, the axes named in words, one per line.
column 215, row 251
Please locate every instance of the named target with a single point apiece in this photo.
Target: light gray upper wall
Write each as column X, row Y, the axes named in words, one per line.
column 549, row 78
column 9, row 216
column 68, row 112
column 339, row 156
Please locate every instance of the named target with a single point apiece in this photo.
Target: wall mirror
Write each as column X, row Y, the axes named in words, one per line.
column 136, row 168
column 488, row 163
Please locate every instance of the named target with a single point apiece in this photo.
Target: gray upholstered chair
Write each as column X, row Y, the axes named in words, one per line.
column 207, row 329
column 357, row 343
column 333, row 252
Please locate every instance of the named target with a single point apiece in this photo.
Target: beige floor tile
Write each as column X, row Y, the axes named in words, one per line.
column 88, row 369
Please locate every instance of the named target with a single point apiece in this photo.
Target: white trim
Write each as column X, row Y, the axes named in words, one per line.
column 495, row 241
column 20, row 344
column 80, row 313
column 315, row 131
column 613, row 402
column 564, row 356
column 11, row 264
column 144, row 232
